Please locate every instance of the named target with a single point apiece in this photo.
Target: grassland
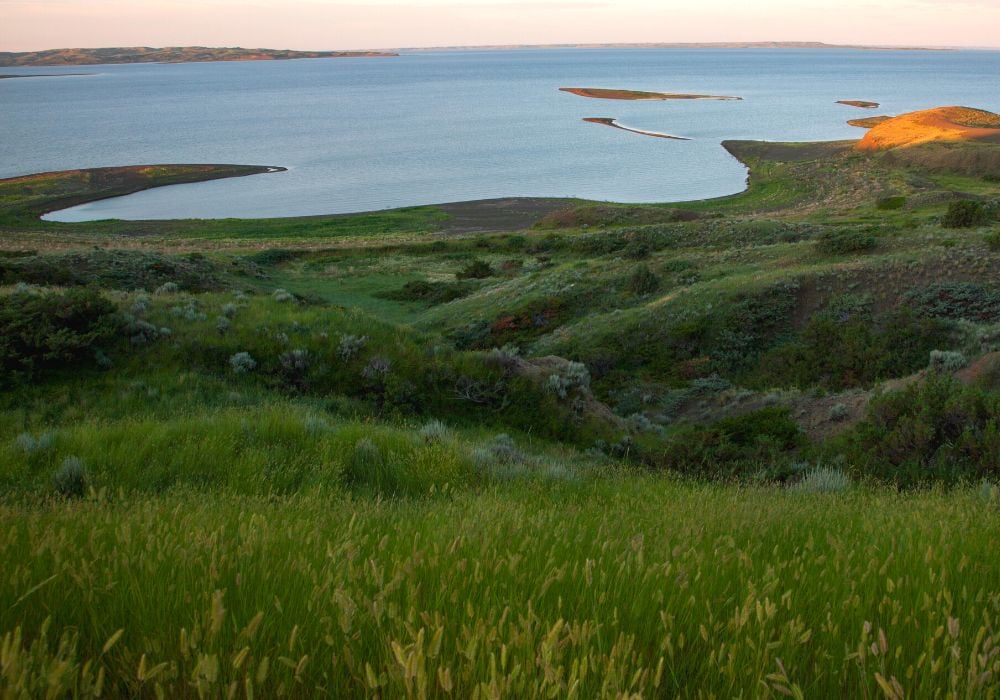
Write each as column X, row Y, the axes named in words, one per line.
column 737, row 447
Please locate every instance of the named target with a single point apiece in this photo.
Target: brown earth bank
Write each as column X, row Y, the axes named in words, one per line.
column 941, row 124
column 610, row 121
column 615, row 94
column 862, row 104
column 868, row 122
column 170, row 54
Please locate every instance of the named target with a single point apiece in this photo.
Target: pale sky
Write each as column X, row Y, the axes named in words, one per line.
column 330, row 24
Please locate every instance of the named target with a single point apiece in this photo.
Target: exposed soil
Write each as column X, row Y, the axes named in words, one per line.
column 504, row 214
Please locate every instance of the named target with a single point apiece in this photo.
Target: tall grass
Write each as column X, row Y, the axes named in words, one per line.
column 639, row 587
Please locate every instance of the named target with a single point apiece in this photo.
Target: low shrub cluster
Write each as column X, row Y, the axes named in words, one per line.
column 936, row 431
column 50, row 330
column 956, row 300
column 838, row 354
column 968, row 213
column 742, row 445
column 429, row 292
column 846, row 242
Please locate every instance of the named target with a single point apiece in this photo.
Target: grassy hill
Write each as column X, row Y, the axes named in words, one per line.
column 742, row 446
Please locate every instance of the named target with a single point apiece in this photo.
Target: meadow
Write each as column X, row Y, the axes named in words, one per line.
column 743, row 447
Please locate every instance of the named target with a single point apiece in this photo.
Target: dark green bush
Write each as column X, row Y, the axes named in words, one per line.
column 838, row 354
column 428, row 292
column 935, row 431
column 846, row 242
column 477, row 269
column 966, row 213
column 643, row 281
column 890, row 203
column 733, row 446
column 41, row 331
column 956, row 300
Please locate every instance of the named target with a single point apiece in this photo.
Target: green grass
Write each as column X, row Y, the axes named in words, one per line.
column 640, row 587
column 422, row 516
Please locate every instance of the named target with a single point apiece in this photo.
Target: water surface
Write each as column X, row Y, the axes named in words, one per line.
column 363, row 134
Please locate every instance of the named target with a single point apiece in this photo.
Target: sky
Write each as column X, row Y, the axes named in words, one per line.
column 27, row 25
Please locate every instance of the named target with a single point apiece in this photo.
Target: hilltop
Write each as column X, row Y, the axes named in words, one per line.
column 172, row 54
column 941, row 124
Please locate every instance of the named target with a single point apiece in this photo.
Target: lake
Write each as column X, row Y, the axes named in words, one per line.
column 375, row 133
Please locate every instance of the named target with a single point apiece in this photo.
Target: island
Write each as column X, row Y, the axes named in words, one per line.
column 610, row 121
column 170, row 54
column 941, row 124
column 861, row 104
column 615, row 94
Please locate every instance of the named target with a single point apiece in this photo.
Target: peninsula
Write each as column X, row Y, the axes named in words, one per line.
column 170, row 54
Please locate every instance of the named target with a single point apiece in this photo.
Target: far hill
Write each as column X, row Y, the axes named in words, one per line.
column 942, row 124
column 170, row 54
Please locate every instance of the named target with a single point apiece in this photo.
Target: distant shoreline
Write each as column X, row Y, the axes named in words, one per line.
column 172, row 54
column 203, row 54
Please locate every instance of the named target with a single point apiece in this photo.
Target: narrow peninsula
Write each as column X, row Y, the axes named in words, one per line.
column 612, row 122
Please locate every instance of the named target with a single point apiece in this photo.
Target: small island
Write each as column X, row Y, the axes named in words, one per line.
column 613, row 94
column 610, row 121
column 861, row 104
column 170, row 54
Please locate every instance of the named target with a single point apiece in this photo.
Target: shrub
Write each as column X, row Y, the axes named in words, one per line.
column 47, row 331
column 966, row 213
column 823, row 480
column 890, row 203
column 993, row 240
column 934, row 431
column 70, row 480
column 956, row 300
column 573, row 376
column 732, row 446
column 228, row 310
column 867, row 351
column 845, row 242
column 839, row 412
column 434, row 431
column 351, row 346
column 946, row 361
column 222, row 325
column 242, row 363
column 167, row 288
column 643, row 281
column 428, row 292
column 477, row 269
column 282, row 295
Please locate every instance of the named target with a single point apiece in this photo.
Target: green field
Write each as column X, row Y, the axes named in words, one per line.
column 744, row 447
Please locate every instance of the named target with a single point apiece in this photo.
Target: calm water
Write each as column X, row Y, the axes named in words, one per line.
column 364, row 134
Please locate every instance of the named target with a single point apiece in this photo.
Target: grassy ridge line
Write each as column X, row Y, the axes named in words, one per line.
column 641, row 586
